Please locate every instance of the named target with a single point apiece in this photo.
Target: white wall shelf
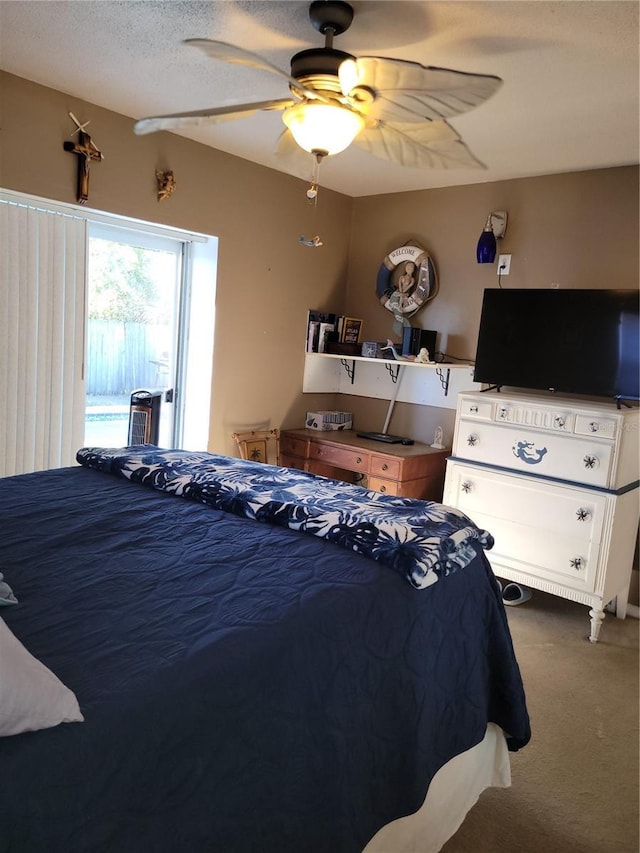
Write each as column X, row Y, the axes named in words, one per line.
column 424, row 384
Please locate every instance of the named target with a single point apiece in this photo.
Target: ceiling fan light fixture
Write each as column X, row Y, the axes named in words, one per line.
column 322, row 128
column 348, row 75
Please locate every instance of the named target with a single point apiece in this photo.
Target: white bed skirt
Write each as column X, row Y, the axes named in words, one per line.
column 453, row 791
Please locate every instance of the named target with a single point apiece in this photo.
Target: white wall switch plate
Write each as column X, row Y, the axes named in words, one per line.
column 504, row 264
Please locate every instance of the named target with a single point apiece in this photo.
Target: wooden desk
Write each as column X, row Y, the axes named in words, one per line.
column 408, row 471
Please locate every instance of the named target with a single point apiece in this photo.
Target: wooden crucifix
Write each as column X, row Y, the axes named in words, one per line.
column 86, row 151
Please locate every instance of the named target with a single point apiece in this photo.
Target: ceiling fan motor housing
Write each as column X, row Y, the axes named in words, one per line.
column 330, row 16
column 318, row 67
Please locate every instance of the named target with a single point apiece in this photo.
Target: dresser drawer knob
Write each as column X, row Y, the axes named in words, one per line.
column 466, row 487
column 577, row 563
column 472, row 440
column 385, row 467
column 594, row 426
column 502, row 414
column 560, row 421
column 383, row 489
column 358, row 460
column 583, row 514
column 591, row 462
column 473, row 410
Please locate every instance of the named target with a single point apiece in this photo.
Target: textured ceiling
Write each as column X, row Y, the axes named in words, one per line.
column 570, row 70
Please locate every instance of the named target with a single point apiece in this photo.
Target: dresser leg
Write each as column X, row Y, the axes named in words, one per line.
column 596, row 622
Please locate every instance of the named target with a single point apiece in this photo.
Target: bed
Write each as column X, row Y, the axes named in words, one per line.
column 264, row 661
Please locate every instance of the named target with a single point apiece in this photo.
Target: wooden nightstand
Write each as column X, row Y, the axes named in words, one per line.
column 408, row 471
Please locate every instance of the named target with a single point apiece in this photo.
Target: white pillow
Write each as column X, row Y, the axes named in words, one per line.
column 31, row 696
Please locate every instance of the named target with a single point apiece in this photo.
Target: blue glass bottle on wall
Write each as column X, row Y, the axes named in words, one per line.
column 486, row 249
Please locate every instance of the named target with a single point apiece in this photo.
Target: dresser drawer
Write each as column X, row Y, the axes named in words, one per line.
column 518, row 448
column 547, row 507
column 475, row 408
column 340, row 457
column 550, row 531
column 554, row 418
column 557, row 559
column 603, row 427
column 292, row 446
column 384, row 467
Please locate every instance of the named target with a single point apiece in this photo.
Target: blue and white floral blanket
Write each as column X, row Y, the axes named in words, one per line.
column 422, row 541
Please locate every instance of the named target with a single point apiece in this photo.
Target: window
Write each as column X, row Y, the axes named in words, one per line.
column 148, row 321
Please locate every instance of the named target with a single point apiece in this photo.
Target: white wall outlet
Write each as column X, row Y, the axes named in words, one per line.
column 504, row 264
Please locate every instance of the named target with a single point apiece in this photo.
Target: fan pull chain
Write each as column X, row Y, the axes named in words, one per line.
column 312, row 198
column 312, row 192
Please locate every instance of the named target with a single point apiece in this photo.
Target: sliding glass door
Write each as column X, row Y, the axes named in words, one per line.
column 134, row 340
column 94, row 308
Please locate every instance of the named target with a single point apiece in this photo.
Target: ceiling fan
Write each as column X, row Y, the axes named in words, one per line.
column 394, row 109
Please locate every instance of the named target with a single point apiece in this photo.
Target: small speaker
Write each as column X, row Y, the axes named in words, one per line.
column 413, row 340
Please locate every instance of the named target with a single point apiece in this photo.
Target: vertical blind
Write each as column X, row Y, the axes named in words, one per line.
column 42, row 322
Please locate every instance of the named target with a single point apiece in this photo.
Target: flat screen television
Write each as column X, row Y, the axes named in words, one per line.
column 572, row 341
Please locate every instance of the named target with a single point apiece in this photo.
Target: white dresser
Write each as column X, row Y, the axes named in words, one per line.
column 555, row 480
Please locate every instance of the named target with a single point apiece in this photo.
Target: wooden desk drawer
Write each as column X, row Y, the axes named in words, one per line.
column 378, row 484
column 291, row 446
column 288, row 461
column 340, row 457
column 384, row 467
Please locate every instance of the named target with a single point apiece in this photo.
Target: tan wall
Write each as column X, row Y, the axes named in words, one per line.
column 577, row 230
column 266, row 280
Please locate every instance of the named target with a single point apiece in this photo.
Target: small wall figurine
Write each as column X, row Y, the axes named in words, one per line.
column 313, row 242
column 166, row 184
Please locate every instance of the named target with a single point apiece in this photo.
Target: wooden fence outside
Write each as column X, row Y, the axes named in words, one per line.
column 123, row 357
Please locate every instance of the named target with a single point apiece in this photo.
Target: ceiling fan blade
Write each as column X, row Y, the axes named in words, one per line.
column 175, row 121
column 407, row 91
column 434, row 145
column 238, row 55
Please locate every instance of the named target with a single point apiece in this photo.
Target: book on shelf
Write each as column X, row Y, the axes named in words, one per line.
column 325, row 328
column 320, row 324
column 313, row 333
column 351, row 330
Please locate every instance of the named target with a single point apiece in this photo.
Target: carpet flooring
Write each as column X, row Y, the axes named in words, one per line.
column 575, row 786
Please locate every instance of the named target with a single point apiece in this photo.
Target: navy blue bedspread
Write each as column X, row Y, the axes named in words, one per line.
column 246, row 688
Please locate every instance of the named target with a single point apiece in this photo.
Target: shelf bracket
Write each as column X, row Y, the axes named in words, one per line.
column 394, row 370
column 444, row 379
column 350, row 368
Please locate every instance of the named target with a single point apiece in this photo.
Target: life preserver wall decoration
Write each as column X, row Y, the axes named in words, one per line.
column 406, row 281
